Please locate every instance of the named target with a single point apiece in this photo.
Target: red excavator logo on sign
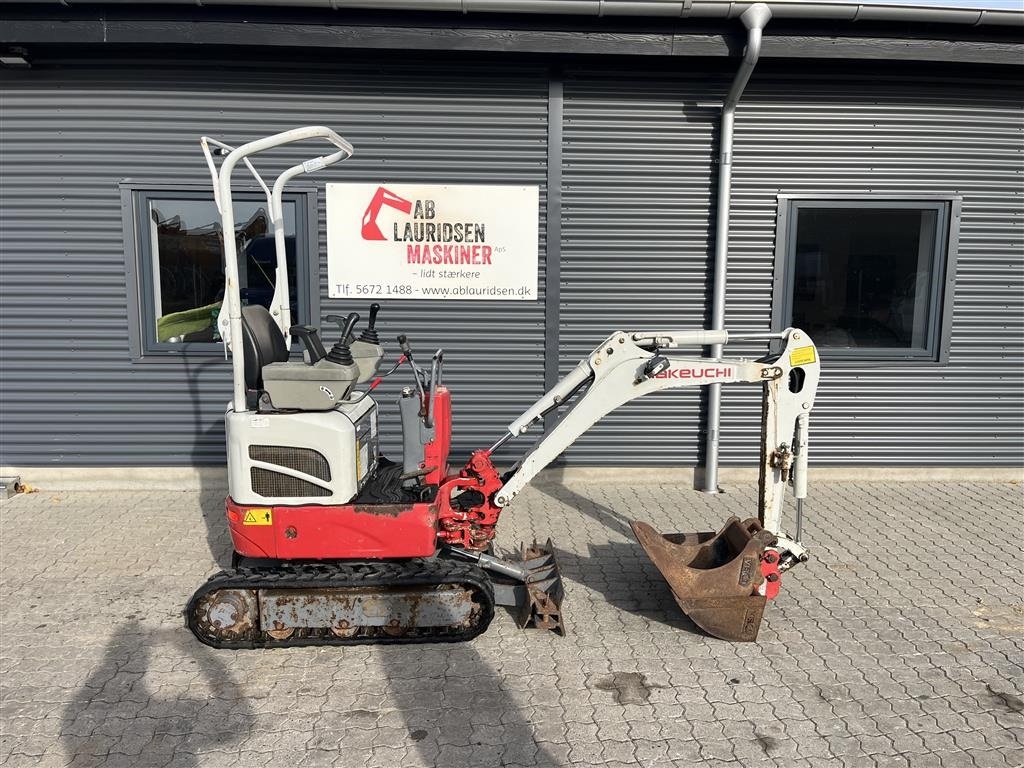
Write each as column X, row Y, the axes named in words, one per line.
column 381, row 198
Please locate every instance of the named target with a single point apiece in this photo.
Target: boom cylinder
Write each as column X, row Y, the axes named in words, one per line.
column 800, row 473
column 681, row 338
column 556, row 395
column 800, row 466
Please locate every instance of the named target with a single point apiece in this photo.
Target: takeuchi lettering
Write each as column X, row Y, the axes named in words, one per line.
column 711, row 372
column 448, row 254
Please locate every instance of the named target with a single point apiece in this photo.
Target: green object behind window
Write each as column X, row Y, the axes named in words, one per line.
column 181, row 324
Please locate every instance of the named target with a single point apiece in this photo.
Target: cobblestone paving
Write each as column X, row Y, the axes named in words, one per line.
column 900, row 644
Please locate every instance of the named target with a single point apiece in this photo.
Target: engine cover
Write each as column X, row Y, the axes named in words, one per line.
column 302, row 458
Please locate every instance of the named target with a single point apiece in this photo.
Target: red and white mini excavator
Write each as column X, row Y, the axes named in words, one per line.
column 334, row 544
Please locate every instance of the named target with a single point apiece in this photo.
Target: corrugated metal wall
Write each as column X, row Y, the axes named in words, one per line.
column 638, row 190
column 638, row 183
column 894, row 134
column 71, row 130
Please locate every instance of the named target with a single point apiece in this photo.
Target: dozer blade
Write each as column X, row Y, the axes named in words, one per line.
column 539, row 599
column 715, row 577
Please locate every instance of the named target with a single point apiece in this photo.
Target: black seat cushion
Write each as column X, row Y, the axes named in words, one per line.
column 263, row 344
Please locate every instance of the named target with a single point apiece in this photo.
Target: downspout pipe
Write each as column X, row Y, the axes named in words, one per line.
column 754, row 19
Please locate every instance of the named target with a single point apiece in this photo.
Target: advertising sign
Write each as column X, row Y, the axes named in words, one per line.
column 432, row 241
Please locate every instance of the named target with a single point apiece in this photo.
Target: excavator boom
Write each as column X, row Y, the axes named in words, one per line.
column 720, row 579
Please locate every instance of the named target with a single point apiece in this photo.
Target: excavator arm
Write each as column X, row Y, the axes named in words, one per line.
column 626, row 366
column 721, row 580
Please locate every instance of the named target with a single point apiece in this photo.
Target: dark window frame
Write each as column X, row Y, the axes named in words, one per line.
column 944, row 264
column 138, row 262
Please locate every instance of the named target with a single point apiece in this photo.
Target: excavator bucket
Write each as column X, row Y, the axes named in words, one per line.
column 720, row 580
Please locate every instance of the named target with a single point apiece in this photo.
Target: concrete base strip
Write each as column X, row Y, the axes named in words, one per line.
column 215, row 478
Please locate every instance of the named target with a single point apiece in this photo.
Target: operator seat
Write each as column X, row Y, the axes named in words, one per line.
column 263, row 343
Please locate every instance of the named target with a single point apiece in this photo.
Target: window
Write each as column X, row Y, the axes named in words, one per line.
column 865, row 277
column 179, row 263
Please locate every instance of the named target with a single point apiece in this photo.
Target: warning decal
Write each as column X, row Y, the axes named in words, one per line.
column 258, row 516
column 802, row 356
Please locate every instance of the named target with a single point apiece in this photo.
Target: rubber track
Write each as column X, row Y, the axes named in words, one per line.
column 411, row 573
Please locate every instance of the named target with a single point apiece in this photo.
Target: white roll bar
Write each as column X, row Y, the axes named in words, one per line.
column 231, row 326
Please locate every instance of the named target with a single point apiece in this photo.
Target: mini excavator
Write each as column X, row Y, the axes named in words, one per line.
column 334, row 544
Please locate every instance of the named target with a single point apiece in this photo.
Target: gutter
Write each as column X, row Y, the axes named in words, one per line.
column 754, row 19
column 666, row 9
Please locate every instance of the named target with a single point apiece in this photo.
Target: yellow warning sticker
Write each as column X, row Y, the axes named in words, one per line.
column 258, row 516
column 802, row 356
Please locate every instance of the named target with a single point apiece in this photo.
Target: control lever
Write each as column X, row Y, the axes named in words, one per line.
column 369, row 334
column 341, row 353
column 350, row 325
column 435, row 378
column 403, row 343
column 341, row 322
column 311, row 341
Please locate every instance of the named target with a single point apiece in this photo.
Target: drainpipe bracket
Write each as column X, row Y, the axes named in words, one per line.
column 756, row 16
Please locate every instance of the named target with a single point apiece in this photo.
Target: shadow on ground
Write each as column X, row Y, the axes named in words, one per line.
column 118, row 719
column 554, row 488
column 620, row 571
column 208, row 453
column 458, row 710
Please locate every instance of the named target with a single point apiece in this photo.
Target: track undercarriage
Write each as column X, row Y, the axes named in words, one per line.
column 292, row 604
column 439, row 599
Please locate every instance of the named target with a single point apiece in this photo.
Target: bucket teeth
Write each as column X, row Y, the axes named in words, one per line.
column 714, row 577
column 542, row 606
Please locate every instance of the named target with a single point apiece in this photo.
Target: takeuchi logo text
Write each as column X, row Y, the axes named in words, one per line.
column 428, row 238
column 710, row 372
